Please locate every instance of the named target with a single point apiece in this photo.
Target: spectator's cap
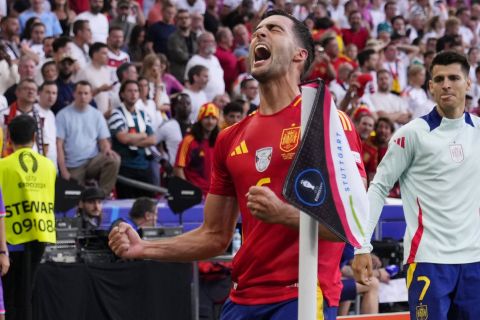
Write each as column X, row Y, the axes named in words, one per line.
column 384, row 27
column 208, row 109
column 360, row 112
column 67, row 57
column 365, row 81
column 92, row 193
column 375, row 44
column 123, row 4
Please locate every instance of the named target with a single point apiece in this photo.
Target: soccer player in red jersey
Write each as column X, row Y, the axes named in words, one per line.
column 250, row 164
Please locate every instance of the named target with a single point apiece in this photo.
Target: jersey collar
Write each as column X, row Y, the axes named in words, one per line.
column 434, row 119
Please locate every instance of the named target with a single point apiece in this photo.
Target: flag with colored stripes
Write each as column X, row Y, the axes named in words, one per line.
column 323, row 180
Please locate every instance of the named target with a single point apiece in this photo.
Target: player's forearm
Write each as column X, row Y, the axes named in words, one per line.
column 198, row 244
column 376, row 199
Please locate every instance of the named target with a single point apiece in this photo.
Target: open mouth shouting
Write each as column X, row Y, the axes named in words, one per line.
column 262, row 54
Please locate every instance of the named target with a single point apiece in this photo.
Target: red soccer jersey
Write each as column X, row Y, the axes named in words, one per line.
column 196, row 160
column 259, row 151
column 358, row 38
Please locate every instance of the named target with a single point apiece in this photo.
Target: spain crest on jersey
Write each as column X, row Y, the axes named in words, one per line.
column 290, row 138
column 324, row 181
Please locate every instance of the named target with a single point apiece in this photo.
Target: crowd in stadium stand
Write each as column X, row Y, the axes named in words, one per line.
column 142, row 88
column 373, row 55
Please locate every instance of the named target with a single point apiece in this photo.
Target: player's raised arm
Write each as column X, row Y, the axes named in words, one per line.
column 210, row 239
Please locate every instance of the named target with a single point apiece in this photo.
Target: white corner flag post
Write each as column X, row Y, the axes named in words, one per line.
column 308, row 252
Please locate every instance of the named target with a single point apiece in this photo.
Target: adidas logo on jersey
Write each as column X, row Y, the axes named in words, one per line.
column 400, row 142
column 240, row 149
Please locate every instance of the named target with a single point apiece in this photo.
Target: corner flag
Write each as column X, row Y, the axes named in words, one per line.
column 323, row 180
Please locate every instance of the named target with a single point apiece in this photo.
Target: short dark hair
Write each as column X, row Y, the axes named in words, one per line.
column 47, row 83
column 353, row 12
column 245, row 81
column 302, row 34
column 121, row 69
column 22, row 129
column 195, row 71
column 324, row 43
column 115, row 28
column 59, row 43
column 94, row 48
column 388, row 3
column 47, row 38
column 460, row 11
column 234, row 106
column 380, row 71
column 397, row 18
column 82, row 83
column 78, row 26
column 46, row 64
column 364, row 56
column 140, row 206
column 387, row 121
column 180, row 11
column 446, row 58
column 27, row 80
column 38, row 24
column 126, row 83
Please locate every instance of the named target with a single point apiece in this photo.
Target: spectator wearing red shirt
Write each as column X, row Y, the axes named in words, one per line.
column 322, row 66
column 195, row 152
column 357, row 34
column 229, row 62
column 376, row 146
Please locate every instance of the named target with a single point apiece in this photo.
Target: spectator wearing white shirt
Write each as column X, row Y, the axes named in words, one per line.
column 24, row 103
column 418, row 102
column 171, row 133
column 98, row 74
column 148, row 105
column 82, row 37
column 206, row 58
column 36, row 40
column 473, row 58
column 98, row 21
column 152, row 71
column 470, row 39
column 336, row 9
column 9, row 35
column 116, row 57
column 192, row 6
column 396, row 67
column 339, row 86
column 8, row 70
column 387, row 104
column 475, row 89
column 47, row 96
column 126, row 71
column 198, row 77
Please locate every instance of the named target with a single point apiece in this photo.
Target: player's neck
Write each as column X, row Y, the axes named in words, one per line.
column 451, row 113
column 276, row 95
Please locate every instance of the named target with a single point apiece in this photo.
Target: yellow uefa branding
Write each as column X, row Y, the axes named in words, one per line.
column 28, row 184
